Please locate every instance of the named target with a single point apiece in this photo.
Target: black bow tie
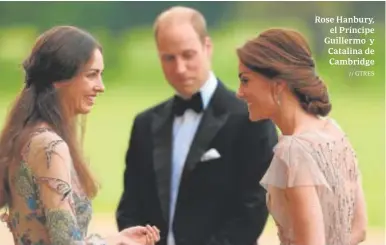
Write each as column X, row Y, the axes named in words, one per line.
column 180, row 105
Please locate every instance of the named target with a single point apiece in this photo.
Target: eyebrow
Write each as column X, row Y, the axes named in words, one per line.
column 241, row 73
column 94, row 69
column 167, row 55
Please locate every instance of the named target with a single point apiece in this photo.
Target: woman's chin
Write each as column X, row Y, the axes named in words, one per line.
column 84, row 110
column 255, row 117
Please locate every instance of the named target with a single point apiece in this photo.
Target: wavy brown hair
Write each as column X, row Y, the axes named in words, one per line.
column 57, row 56
column 285, row 54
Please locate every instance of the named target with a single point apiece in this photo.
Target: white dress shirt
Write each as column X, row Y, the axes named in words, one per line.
column 184, row 129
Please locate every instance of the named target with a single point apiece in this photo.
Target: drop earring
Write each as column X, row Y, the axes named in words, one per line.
column 278, row 101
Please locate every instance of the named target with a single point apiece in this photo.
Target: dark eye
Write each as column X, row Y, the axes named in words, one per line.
column 244, row 80
column 188, row 55
column 91, row 75
column 168, row 57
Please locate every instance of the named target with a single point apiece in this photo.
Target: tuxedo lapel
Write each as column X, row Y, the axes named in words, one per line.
column 214, row 118
column 162, row 125
column 212, row 121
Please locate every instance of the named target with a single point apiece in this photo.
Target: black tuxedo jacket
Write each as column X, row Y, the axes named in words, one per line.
column 220, row 201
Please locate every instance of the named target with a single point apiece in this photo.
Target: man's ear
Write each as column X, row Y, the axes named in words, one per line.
column 208, row 46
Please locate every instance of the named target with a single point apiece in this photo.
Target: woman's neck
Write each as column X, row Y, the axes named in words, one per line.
column 293, row 120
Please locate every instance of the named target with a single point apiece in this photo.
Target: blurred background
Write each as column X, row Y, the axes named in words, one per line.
column 134, row 79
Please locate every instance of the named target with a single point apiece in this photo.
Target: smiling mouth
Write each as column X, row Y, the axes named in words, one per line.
column 91, row 99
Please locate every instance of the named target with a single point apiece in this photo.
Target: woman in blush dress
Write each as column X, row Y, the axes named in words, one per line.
column 314, row 190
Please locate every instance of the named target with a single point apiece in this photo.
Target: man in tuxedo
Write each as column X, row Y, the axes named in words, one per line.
column 194, row 162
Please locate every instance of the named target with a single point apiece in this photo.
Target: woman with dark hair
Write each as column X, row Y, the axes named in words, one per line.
column 44, row 180
column 314, row 190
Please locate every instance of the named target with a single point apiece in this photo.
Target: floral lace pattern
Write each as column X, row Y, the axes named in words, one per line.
column 48, row 206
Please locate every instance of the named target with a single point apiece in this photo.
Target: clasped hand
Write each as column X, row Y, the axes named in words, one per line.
column 137, row 235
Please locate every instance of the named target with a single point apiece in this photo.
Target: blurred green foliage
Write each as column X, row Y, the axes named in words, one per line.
column 134, row 81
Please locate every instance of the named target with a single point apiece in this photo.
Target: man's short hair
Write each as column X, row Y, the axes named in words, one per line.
column 179, row 14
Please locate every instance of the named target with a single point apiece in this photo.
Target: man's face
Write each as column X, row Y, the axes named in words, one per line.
column 184, row 57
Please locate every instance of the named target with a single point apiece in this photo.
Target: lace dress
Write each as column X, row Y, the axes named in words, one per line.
column 47, row 203
column 322, row 158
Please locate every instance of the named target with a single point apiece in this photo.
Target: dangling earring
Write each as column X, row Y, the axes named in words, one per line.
column 274, row 95
column 278, row 100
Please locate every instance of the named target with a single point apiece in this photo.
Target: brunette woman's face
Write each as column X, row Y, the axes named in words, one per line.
column 257, row 91
column 81, row 91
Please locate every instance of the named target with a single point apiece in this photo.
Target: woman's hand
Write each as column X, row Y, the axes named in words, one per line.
column 137, row 235
column 5, row 218
column 140, row 235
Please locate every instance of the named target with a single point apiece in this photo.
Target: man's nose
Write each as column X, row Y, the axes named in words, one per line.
column 181, row 67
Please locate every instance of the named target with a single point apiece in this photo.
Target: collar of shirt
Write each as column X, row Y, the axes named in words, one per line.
column 207, row 89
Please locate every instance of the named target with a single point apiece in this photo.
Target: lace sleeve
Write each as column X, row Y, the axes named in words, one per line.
column 294, row 164
column 51, row 164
